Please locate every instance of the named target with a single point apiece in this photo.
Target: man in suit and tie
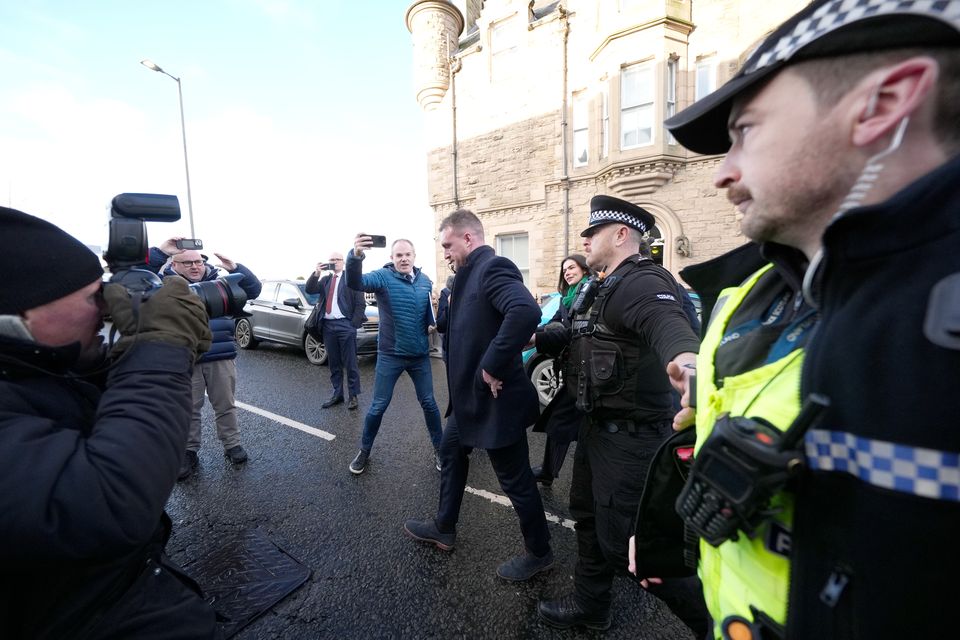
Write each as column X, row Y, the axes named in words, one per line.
column 343, row 314
column 490, row 318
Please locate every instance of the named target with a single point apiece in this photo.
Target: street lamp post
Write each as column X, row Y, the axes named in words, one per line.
column 183, row 128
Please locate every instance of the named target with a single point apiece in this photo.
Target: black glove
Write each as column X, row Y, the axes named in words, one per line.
column 552, row 339
column 172, row 314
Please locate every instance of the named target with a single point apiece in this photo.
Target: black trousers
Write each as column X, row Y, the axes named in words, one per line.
column 562, row 427
column 340, row 339
column 608, row 474
column 512, row 466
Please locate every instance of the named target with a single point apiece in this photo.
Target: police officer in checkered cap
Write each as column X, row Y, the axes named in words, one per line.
column 842, row 133
column 626, row 336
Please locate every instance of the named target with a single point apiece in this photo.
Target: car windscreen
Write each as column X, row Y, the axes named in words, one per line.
column 311, row 297
column 549, row 307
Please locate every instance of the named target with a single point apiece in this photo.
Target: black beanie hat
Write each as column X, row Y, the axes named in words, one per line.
column 40, row 263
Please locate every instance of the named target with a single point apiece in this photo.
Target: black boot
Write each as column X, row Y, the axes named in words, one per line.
column 565, row 613
column 543, row 478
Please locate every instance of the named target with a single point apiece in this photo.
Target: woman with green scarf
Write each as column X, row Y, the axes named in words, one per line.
column 561, row 419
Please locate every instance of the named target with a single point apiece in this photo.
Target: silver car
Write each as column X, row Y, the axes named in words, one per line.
column 278, row 316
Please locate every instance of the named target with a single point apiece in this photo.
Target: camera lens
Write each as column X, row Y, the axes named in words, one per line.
column 223, row 296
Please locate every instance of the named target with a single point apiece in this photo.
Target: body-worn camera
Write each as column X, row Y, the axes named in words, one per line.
column 589, row 291
column 127, row 252
column 739, row 468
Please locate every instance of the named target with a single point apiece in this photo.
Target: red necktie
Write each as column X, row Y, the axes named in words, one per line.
column 333, row 288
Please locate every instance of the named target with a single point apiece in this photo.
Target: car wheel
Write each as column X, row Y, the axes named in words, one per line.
column 316, row 352
column 244, row 334
column 541, row 375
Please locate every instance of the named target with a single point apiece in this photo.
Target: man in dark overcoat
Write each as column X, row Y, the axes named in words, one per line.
column 491, row 317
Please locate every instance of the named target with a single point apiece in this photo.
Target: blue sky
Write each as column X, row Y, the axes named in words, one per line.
column 301, row 120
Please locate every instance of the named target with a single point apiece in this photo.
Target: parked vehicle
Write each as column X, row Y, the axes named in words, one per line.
column 278, row 316
column 696, row 303
column 538, row 366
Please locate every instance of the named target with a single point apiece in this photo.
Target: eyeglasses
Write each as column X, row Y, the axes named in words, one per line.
column 190, row 263
column 335, row 260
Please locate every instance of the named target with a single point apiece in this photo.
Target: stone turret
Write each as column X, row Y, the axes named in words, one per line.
column 470, row 10
column 436, row 26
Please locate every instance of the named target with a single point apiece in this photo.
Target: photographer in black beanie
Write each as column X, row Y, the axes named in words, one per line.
column 90, row 445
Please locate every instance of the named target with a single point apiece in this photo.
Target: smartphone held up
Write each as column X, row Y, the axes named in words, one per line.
column 187, row 244
column 377, row 241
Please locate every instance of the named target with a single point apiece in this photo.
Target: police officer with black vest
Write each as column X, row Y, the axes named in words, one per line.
column 629, row 340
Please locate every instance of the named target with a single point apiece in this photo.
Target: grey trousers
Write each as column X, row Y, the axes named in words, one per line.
column 219, row 380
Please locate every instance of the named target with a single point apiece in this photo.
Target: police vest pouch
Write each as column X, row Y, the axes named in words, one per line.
column 606, row 368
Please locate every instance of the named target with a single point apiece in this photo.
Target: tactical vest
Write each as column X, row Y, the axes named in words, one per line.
column 602, row 367
column 747, row 578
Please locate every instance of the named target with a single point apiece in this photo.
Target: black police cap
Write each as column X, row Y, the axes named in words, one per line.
column 607, row 209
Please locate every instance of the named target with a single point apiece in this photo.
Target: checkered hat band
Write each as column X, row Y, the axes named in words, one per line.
column 606, row 215
column 840, row 13
column 926, row 473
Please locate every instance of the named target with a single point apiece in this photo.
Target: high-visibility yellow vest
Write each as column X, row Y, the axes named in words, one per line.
column 744, row 573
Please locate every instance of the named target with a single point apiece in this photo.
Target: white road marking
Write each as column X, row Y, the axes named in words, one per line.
column 493, row 497
column 287, row 421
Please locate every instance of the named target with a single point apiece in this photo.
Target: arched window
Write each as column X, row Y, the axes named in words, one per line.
column 664, row 235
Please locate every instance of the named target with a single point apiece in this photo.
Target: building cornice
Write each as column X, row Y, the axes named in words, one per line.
column 510, row 209
column 630, row 178
column 639, row 179
column 680, row 25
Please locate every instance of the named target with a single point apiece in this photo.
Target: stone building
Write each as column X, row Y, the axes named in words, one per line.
column 532, row 108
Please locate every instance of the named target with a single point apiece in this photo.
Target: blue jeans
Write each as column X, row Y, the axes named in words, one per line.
column 389, row 368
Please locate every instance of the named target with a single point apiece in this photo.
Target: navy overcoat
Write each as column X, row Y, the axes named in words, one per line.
column 490, row 319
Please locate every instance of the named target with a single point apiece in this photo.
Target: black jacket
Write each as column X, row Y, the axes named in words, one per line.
column 352, row 303
column 560, row 419
column 877, row 517
column 490, row 318
column 86, row 473
column 443, row 306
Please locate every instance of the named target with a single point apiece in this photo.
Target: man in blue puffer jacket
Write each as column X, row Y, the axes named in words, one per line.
column 406, row 315
column 216, row 372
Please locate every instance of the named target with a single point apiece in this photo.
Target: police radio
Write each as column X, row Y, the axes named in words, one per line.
column 739, row 468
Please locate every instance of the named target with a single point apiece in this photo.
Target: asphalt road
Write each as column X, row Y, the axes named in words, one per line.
column 369, row 580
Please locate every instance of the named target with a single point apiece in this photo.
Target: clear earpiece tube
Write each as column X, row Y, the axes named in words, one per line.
column 859, row 190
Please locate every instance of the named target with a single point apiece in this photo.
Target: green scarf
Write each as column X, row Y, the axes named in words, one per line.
column 572, row 293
